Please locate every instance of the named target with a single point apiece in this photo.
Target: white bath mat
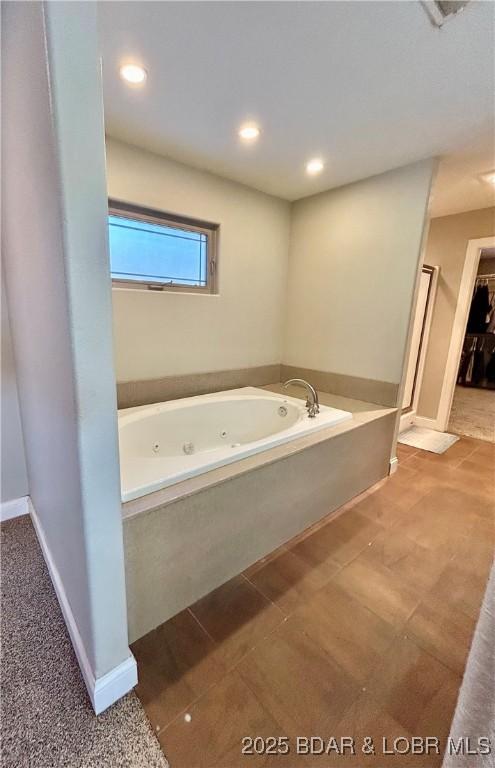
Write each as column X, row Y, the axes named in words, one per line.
column 427, row 439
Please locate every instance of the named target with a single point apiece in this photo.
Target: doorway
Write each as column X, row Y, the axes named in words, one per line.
column 473, row 411
column 419, row 343
column 473, row 406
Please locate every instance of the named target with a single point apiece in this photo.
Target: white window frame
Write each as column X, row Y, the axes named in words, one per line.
column 137, row 212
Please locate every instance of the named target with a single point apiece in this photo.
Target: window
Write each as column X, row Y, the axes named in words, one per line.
column 151, row 249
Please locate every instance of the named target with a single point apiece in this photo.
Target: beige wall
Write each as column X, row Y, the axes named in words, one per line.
column 164, row 334
column 446, row 247
column 58, row 288
column 342, row 313
column 14, row 482
column 353, row 260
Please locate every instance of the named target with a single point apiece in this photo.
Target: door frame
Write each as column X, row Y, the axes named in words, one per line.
column 469, row 272
column 408, row 418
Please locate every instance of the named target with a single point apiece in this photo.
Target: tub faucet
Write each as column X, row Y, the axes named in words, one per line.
column 312, row 403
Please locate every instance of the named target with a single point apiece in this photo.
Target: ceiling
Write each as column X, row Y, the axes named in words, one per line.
column 459, row 184
column 367, row 86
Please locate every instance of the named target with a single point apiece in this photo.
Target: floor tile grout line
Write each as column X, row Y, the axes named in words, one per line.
column 191, row 612
column 435, row 654
column 262, row 561
column 417, row 640
column 262, row 704
column 397, row 629
column 260, row 591
column 430, row 592
column 407, row 455
column 228, row 670
column 413, row 638
column 395, row 633
column 394, row 638
column 456, row 464
column 284, row 618
column 475, row 449
column 256, row 646
column 464, row 458
column 340, row 567
column 306, row 598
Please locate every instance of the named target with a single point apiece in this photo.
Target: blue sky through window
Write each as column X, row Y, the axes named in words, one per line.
column 144, row 252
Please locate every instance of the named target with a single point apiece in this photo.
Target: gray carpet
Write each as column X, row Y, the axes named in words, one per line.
column 475, row 711
column 473, row 413
column 47, row 719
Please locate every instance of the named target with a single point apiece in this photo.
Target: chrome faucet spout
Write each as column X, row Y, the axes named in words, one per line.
column 312, row 403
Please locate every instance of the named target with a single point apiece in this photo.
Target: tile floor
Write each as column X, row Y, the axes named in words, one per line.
column 358, row 627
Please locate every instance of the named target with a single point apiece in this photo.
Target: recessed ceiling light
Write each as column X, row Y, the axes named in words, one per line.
column 249, row 132
column 314, row 166
column 133, row 73
column 489, row 177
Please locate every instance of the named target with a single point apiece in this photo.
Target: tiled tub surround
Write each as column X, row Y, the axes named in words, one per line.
column 185, row 540
column 369, row 390
column 165, row 443
column 147, row 391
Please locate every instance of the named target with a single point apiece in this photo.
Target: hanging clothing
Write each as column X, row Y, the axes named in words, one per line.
column 490, row 368
column 461, row 374
column 491, row 321
column 469, row 363
column 479, row 311
column 470, row 366
column 466, row 366
column 478, row 372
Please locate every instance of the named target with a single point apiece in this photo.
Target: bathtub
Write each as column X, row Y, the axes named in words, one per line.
column 165, row 443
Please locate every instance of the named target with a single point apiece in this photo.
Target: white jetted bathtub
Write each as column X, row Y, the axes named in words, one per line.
column 164, row 443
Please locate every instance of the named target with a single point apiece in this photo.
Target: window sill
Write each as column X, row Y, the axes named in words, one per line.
column 166, row 291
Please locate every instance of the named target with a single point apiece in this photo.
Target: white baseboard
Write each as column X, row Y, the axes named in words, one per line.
column 14, row 508
column 394, row 466
column 111, row 687
column 406, row 421
column 422, row 421
column 103, row 691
